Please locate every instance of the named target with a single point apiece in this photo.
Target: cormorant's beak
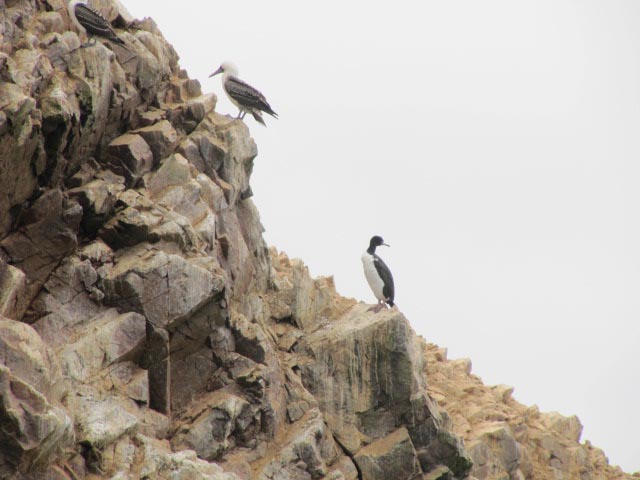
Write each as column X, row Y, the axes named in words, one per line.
column 219, row 70
column 386, row 244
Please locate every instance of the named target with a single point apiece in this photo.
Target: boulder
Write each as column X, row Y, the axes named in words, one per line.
column 34, row 430
column 165, row 288
column 390, row 457
column 129, row 155
column 161, row 138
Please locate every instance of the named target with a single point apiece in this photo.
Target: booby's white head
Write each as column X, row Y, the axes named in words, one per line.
column 226, row 68
column 71, row 6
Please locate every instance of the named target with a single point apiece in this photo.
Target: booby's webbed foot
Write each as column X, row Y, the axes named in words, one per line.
column 90, row 43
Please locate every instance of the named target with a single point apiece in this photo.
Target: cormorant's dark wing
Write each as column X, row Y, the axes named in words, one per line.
column 95, row 24
column 247, row 96
column 385, row 274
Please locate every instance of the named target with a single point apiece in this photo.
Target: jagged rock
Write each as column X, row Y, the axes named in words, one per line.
column 209, row 434
column 307, row 451
column 68, row 299
column 161, row 138
column 159, row 462
column 505, row 438
column 97, row 199
column 130, row 155
column 23, row 352
column 34, row 429
column 164, row 288
column 101, row 420
column 250, row 341
column 12, row 290
column 108, row 340
column 48, row 234
column 390, row 457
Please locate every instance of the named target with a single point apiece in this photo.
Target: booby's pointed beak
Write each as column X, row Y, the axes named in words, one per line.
column 219, row 70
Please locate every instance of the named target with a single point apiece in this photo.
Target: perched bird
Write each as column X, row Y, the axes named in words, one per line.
column 243, row 95
column 92, row 22
column 378, row 275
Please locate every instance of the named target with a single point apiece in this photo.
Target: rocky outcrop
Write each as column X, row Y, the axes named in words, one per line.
column 506, row 439
column 146, row 330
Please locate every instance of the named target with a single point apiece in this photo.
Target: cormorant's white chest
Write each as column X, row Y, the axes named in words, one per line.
column 372, row 276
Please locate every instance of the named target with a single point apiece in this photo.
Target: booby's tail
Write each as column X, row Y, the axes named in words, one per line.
column 258, row 117
column 270, row 112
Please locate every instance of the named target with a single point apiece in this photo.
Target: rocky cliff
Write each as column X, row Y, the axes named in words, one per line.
column 146, row 330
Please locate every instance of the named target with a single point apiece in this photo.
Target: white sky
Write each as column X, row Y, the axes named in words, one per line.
column 493, row 144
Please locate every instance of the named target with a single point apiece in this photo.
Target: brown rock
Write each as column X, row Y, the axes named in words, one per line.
column 130, row 155
column 108, row 340
column 390, row 457
column 12, row 290
column 47, row 235
column 164, row 288
column 161, row 138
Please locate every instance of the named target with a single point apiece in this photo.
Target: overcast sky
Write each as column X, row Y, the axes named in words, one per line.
column 494, row 145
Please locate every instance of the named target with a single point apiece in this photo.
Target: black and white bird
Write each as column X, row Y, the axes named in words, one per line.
column 91, row 22
column 243, row 95
column 378, row 275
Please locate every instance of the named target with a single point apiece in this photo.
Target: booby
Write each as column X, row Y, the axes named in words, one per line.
column 243, row 95
column 90, row 21
column 378, row 275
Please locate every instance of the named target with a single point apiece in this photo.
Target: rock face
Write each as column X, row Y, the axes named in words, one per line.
column 146, row 330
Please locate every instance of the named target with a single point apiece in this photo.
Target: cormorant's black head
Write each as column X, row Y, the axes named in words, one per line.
column 375, row 241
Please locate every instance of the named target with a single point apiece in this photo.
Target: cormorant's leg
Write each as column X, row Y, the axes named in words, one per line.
column 376, row 308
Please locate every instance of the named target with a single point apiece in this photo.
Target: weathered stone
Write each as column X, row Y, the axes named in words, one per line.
column 362, row 363
column 161, row 138
column 33, row 431
column 164, row 288
column 47, row 235
column 97, row 199
column 568, row 427
column 101, row 420
column 446, row 449
column 27, row 357
column 158, row 362
column 159, row 462
column 13, row 291
column 250, row 341
column 69, row 298
column 209, row 435
column 130, row 155
column 105, row 342
column 306, row 451
column 390, row 457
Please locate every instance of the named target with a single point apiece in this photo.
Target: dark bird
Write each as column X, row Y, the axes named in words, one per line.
column 378, row 275
column 243, row 95
column 92, row 22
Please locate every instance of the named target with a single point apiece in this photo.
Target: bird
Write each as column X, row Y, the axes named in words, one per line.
column 243, row 95
column 378, row 275
column 90, row 21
